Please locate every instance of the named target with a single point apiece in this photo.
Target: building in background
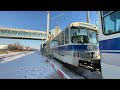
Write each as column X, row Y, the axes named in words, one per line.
column 54, row 32
column 3, row 47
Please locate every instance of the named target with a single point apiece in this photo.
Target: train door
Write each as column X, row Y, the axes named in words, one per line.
column 109, row 43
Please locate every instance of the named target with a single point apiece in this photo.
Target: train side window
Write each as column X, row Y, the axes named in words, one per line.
column 56, row 41
column 59, row 39
column 62, row 38
column 112, row 23
column 53, row 43
column 67, row 36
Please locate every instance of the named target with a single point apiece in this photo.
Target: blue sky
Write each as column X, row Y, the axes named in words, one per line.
column 36, row 20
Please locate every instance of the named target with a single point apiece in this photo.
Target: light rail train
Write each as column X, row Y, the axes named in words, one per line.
column 76, row 44
column 109, row 43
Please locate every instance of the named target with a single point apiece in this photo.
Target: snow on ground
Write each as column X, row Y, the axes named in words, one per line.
column 10, row 53
column 3, row 60
column 32, row 66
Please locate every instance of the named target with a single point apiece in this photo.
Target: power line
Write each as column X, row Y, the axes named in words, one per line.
column 58, row 16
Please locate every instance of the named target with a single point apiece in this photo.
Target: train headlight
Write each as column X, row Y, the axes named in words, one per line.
column 98, row 53
column 89, row 47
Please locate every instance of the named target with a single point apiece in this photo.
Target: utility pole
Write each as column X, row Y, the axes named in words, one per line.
column 48, row 23
column 88, row 17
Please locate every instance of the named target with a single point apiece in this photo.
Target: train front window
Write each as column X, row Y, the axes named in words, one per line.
column 92, row 36
column 83, row 35
column 111, row 22
column 79, row 35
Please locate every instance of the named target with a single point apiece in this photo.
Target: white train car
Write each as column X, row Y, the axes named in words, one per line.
column 109, row 40
column 77, row 43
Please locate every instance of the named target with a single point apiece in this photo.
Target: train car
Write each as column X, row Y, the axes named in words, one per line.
column 109, row 43
column 77, row 44
column 46, row 49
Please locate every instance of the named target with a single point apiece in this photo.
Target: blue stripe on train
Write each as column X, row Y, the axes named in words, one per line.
column 110, row 44
column 110, row 52
column 75, row 47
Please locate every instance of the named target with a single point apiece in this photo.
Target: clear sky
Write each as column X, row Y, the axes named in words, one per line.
column 37, row 20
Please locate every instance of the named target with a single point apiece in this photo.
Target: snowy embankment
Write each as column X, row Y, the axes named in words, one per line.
column 13, row 55
column 32, row 66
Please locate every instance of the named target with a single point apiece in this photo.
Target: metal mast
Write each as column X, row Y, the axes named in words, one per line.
column 88, row 17
column 48, row 23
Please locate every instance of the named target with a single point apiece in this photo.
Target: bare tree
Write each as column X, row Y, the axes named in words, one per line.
column 18, row 46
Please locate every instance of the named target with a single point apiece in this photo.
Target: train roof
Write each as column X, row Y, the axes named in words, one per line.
column 93, row 27
column 83, row 24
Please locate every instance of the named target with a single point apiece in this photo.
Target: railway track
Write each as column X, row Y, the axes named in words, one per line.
column 75, row 69
column 86, row 72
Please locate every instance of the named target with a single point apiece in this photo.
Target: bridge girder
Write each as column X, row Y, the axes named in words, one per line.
column 22, row 34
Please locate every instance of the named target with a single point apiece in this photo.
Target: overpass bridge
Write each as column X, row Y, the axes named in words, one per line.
column 22, row 33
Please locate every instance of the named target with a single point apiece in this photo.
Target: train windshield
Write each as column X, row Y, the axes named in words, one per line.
column 83, row 35
column 92, row 36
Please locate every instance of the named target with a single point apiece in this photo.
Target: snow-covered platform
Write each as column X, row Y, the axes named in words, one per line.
column 30, row 66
